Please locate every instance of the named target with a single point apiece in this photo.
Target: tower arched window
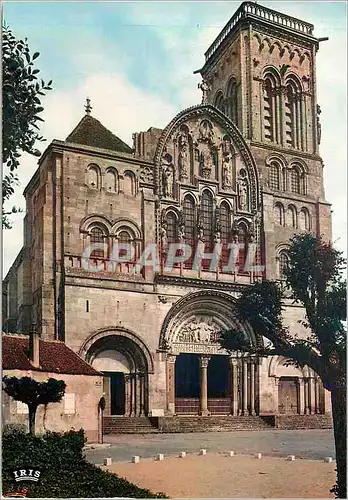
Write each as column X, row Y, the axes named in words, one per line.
column 271, row 107
column 232, row 100
column 293, row 113
column 225, row 225
column 283, row 263
column 274, row 176
column 98, row 236
column 189, row 211
column 219, row 101
column 295, row 180
column 171, row 221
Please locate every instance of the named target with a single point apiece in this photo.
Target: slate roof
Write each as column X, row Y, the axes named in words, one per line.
column 55, row 357
column 90, row 132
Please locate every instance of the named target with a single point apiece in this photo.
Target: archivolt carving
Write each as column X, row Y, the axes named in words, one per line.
column 195, row 322
column 206, row 150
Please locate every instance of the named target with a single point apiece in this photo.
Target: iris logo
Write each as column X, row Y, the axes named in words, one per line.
column 27, row 475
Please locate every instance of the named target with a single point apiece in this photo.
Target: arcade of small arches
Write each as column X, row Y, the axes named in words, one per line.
column 291, row 217
column 111, row 180
column 283, row 177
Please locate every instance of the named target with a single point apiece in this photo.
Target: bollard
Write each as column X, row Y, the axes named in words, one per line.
column 182, row 454
column 231, row 453
column 107, row 461
column 258, row 455
column 328, row 460
column 135, row 459
column 291, row 458
column 160, row 457
column 203, row 452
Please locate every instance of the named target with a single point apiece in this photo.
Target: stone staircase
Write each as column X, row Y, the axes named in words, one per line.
column 214, row 424
column 130, row 425
column 293, row 422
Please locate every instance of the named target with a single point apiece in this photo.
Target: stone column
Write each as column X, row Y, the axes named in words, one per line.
column 245, row 387
column 141, row 394
column 311, row 388
column 252, row 387
column 204, row 361
column 132, row 395
column 301, row 397
column 306, row 396
column 170, row 362
column 234, row 385
column 127, row 390
column 316, row 395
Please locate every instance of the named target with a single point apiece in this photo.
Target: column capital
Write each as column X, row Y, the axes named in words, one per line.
column 233, row 361
column 171, row 358
column 204, row 360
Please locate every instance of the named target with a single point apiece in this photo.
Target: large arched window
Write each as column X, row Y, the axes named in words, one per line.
column 129, row 183
column 124, row 237
column 207, row 213
column 271, row 107
column 219, row 101
column 283, row 262
column 304, row 220
column 111, row 180
column 171, row 221
column 232, row 100
column 189, row 210
column 291, row 216
column 279, row 214
column 98, row 236
column 225, row 225
column 93, row 176
column 243, row 241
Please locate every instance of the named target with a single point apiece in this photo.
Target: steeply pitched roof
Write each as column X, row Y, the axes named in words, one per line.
column 90, row 132
column 55, row 357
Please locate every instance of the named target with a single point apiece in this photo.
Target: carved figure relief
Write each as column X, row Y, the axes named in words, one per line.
column 183, row 155
column 206, row 131
column 243, row 191
column 318, row 123
column 146, row 175
column 227, row 163
column 167, row 176
column 206, row 163
column 199, row 331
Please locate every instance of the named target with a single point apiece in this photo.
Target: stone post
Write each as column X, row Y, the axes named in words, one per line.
column 245, row 387
column 311, row 388
column 252, row 387
column 132, row 395
column 170, row 365
column 141, row 394
column 204, row 361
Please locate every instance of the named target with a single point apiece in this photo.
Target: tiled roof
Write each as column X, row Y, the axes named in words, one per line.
column 55, row 357
column 90, row 132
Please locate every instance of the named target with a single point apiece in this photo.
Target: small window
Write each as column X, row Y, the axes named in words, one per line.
column 295, row 180
column 283, row 264
column 279, row 214
column 97, row 236
column 69, row 403
column 273, row 176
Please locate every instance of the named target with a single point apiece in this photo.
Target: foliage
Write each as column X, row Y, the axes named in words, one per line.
column 21, row 91
column 34, row 393
column 314, row 280
column 65, row 473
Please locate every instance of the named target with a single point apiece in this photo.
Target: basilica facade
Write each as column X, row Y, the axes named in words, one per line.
column 241, row 167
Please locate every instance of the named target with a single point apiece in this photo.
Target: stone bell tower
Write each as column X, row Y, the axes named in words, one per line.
column 260, row 71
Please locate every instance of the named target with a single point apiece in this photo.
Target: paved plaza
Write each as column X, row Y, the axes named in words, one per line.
column 305, row 444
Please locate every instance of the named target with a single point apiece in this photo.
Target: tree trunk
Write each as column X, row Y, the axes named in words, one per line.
column 339, row 415
column 32, row 416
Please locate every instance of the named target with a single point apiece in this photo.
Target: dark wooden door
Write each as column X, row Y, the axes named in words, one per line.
column 288, row 396
column 117, row 393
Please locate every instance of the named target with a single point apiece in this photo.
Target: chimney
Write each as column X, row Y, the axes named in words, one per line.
column 34, row 347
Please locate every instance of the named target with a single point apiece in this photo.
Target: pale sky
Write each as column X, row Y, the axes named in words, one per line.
column 135, row 60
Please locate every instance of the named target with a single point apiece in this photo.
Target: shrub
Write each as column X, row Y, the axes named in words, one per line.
column 65, row 471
